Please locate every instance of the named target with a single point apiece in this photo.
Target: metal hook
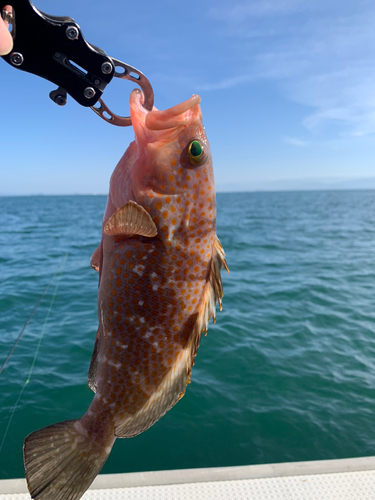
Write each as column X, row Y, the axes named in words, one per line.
column 134, row 75
column 61, row 55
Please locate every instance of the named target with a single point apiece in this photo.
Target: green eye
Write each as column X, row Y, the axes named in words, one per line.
column 196, row 153
column 195, row 149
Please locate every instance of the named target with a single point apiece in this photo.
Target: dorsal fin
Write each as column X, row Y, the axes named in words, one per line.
column 129, row 220
column 212, row 294
column 95, row 258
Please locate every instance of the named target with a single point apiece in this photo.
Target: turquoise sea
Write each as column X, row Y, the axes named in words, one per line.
column 286, row 374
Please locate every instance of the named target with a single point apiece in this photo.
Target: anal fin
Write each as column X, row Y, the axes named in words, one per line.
column 94, row 361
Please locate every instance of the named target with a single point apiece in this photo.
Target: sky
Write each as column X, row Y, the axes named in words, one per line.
column 287, row 88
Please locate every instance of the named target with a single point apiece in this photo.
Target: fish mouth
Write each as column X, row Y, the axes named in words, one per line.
column 180, row 115
column 172, row 117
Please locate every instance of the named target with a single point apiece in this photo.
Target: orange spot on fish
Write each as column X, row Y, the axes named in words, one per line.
column 167, row 199
column 158, row 205
column 171, row 177
column 173, row 163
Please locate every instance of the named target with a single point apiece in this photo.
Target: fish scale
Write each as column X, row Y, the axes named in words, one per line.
column 159, row 265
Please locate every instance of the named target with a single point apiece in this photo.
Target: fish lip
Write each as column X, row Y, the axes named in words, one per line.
column 175, row 116
column 179, row 115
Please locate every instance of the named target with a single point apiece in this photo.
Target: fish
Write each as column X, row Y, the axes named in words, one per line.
column 159, row 263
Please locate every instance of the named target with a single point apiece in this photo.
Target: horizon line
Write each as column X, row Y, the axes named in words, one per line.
column 233, row 191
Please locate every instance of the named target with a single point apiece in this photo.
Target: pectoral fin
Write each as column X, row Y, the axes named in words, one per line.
column 130, row 220
column 95, row 258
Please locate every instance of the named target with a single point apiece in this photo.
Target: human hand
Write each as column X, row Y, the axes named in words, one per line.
column 6, row 40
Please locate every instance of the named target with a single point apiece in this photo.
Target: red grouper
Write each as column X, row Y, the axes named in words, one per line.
column 159, row 265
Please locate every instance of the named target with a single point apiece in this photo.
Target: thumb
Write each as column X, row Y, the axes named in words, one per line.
column 6, row 40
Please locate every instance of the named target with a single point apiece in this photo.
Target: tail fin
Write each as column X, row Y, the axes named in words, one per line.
column 62, row 460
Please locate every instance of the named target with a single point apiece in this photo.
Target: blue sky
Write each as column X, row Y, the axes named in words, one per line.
column 287, row 87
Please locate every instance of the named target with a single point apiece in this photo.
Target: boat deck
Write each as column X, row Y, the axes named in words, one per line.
column 347, row 479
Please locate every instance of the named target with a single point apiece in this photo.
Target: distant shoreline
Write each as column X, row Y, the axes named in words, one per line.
column 218, row 191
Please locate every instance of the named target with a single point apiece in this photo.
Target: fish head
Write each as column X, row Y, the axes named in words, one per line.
column 172, row 176
column 172, row 145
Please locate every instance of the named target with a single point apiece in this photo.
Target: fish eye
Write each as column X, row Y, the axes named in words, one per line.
column 196, row 153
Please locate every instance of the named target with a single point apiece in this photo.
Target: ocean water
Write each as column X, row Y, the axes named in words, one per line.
column 287, row 373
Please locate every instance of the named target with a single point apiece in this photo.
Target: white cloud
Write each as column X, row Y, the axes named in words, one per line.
column 226, row 83
column 295, row 142
column 321, row 54
column 255, row 8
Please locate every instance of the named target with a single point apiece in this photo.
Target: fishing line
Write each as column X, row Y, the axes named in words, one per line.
column 31, row 315
column 38, row 346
